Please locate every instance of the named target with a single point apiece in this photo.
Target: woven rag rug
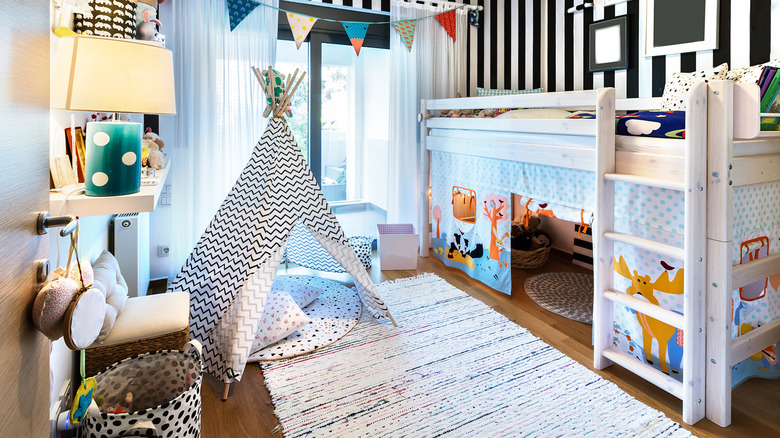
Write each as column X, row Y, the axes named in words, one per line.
column 452, row 367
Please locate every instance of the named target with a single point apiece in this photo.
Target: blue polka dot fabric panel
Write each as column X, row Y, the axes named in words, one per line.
column 756, row 231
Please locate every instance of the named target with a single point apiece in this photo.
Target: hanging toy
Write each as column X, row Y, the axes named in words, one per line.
column 83, row 397
column 474, row 18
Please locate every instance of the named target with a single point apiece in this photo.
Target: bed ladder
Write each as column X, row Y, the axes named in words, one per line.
column 692, row 390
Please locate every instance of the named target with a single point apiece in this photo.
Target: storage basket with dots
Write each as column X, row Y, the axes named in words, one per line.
column 165, row 387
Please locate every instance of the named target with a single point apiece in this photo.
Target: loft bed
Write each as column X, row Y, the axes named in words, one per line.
column 705, row 232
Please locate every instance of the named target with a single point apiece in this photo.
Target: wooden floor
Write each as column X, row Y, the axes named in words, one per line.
column 248, row 412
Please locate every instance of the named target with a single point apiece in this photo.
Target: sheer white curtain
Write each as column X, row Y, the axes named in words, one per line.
column 219, row 108
column 435, row 68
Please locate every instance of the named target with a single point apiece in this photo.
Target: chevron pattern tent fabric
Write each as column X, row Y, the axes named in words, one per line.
column 232, row 268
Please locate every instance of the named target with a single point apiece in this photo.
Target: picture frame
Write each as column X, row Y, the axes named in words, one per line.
column 608, row 44
column 77, row 151
column 672, row 26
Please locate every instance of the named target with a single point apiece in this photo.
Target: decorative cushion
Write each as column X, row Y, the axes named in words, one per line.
column 300, row 292
column 149, row 316
column 84, row 319
column 750, row 75
column 538, row 113
column 494, row 92
column 50, row 305
column 88, row 276
column 662, row 124
column 108, row 279
column 281, row 317
column 677, row 86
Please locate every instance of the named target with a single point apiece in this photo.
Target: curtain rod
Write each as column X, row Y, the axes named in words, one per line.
column 447, row 3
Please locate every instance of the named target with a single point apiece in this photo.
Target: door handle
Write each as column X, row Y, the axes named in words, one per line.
column 45, row 220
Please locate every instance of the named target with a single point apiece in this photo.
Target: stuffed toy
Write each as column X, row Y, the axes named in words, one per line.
column 152, row 150
column 69, row 306
column 109, row 280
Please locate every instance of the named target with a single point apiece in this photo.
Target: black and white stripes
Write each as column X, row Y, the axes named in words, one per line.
column 524, row 44
column 749, row 33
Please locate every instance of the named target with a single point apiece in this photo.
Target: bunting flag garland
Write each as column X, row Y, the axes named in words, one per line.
column 238, row 10
column 356, row 33
column 448, row 20
column 301, row 26
column 406, row 30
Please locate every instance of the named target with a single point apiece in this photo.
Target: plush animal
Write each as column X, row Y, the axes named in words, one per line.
column 147, row 24
column 52, row 301
column 109, row 280
column 152, row 150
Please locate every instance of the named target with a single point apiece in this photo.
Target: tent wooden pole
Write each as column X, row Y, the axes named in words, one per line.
column 289, row 95
column 225, row 391
column 391, row 319
column 281, row 108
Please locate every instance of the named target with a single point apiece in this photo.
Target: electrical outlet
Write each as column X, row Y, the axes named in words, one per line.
column 163, row 251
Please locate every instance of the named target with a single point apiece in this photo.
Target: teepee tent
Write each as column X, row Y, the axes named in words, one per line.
column 232, row 268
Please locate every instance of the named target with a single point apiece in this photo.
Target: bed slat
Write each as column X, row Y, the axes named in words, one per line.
column 754, row 341
column 533, row 126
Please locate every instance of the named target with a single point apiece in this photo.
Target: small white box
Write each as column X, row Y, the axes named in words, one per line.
column 398, row 245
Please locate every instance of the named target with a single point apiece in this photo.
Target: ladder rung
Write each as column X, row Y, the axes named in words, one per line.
column 646, row 181
column 649, row 309
column 746, row 273
column 646, row 244
column 754, row 341
column 645, row 371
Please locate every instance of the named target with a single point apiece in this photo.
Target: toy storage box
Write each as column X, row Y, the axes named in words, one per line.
column 397, row 247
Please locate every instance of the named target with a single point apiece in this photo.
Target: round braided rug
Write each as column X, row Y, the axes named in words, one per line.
column 333, row 314
column 568, row 294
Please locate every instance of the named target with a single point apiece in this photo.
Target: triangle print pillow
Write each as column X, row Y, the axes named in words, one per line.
column 299, row 290
column 281, row 317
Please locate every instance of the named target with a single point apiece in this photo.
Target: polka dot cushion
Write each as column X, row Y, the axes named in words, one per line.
column 679, row 84
column 333, row 314
column 301, row 292
column 281, row 316
column 750, row 75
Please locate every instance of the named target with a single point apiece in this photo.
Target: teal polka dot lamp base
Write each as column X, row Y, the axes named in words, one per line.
column 113, row 158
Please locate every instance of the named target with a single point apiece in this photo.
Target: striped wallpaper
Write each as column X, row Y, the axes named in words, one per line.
column 535, row 43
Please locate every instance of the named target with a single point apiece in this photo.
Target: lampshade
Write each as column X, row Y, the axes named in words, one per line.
column 112, row 75
column 118, row 76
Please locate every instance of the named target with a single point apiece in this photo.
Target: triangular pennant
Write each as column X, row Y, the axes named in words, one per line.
column 238, row 10
column 447, row 19
column 406, row 30
column 300, row 26
column 356, row 32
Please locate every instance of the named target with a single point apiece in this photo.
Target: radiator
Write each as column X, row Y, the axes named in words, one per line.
column 129, row 242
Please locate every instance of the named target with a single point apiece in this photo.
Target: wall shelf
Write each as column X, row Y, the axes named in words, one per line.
column 83, row 205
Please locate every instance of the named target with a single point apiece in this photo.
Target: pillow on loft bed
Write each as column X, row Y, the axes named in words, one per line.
column 535, row 113
column 678, row 85
column 750, row 75
column 495, row 92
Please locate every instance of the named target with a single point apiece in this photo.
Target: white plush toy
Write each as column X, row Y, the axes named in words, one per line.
column 109, row 280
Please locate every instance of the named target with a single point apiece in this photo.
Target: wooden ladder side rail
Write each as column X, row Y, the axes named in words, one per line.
column 695, row 244
column 425, row 178
column 720, row 215
column 603, row 249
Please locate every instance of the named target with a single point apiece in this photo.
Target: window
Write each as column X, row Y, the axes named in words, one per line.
column 342, row 124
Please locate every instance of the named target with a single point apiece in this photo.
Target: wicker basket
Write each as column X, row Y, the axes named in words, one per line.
column 530, row 259
column 99, row 358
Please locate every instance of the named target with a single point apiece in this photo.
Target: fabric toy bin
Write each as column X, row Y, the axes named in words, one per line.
column 165, row 387
column 397, row 247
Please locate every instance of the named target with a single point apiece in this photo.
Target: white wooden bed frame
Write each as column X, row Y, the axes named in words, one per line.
column 723, row 149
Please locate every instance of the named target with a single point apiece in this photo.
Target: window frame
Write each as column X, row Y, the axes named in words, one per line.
column 328, row 32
